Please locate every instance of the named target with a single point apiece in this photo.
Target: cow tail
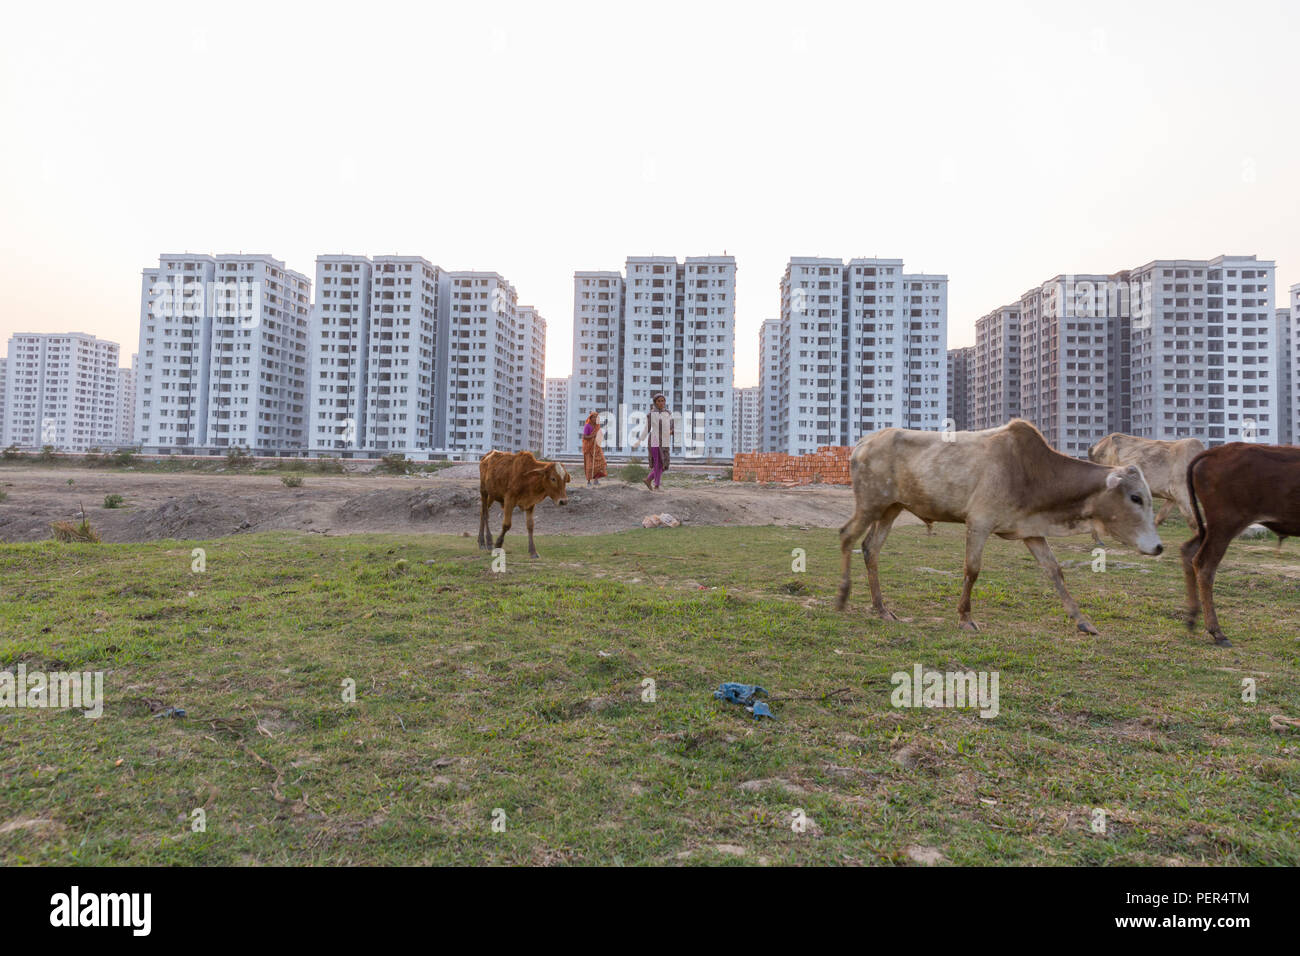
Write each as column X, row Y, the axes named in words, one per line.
column 1191, row 494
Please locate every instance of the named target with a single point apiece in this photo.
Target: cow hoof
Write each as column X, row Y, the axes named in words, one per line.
column 969, row 625
column 532, row 554
column 1087, row 628
column 885, row 614
column 1221, row 641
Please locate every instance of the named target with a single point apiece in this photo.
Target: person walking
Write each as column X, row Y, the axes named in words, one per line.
column 593, row 456
column 658, row 437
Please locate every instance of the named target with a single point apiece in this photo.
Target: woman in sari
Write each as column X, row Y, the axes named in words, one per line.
column 593, row 458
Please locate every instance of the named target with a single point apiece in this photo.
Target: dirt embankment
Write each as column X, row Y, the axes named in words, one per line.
column 199, row 506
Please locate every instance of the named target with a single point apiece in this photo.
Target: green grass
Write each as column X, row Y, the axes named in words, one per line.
column 523, row 691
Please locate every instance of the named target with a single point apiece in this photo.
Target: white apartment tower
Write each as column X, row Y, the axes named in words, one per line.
column 61, row 390
column 1069, row 327
column 126, row 404
column 558, row 425
column 482, row 354
column 769, row 382
column 1285, row 378
column 596, row 381
column 679, row 339
column 746, row 419
column 1293, row 334
column 995, row 388
column 961, row 377
column 406, row 294
column 529, row 416
column 1204, row 353
column 223, row 356
column 257, row 397
column 863, row 346
column 340, row 349
column 4, row 391
column 171, row 402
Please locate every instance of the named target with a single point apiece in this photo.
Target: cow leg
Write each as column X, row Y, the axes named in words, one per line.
column 484, row 535
column 532, row 552
column 1206, row 563
column 975, row 538
column 848, row 534
column 871, row 547
column 1041, row 550
column 1164, row 512
column 1188, row 551
column 508, row 506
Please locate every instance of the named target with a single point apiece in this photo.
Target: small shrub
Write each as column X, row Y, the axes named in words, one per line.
column 238, row 457
column 71, row 482
column 328, row 465
column 12, row 453
column 124, row 456
column 113, row 501
column 67, row 532
column 47, row 453
column 633, row 472
column 394, row 464
column 4, row 496
column 291, row 481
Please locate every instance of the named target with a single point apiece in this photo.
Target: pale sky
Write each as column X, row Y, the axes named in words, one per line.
column 999, row 143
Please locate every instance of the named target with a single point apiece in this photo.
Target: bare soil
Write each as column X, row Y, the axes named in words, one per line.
column 199, row 506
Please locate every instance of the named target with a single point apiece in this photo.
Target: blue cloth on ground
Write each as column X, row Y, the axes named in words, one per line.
column 746, row 695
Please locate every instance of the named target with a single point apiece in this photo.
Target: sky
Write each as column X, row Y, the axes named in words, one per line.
column 998, row 143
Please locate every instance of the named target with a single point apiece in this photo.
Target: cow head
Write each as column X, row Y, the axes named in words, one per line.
column 1123, row 508
column 555, row 477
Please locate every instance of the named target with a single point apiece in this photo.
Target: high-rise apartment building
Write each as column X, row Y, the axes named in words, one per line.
column 863, row 346
column 126, row 404
column 410, row 358
column 61, row 390
column 961, row 376
column 769, row 382
column 1176, row 348
column 596, row 380
column 667, row 327
column 1204, row 355
column 679, row 340
column 529, row 415
column 1069, row 326
column 1285, row 376
column 995, row 387
column 558, row 423
column 746, row 419
column 223, row 356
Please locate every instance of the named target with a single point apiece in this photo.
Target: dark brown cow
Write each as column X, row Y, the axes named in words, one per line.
column 516, row 480
column 1234, row 486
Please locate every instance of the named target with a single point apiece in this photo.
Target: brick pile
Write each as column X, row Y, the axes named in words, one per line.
column 828, row 465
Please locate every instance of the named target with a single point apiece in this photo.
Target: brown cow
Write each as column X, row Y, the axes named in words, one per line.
column 1163, row 463
column 1006, row 481
column 1236, row 485
column 516, row 480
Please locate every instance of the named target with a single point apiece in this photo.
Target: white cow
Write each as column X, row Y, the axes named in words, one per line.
column 1006, row 481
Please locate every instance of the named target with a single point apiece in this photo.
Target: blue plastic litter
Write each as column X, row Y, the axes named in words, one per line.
column 747, row 696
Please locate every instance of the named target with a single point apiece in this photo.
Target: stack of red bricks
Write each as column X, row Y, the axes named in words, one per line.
column 828, row 465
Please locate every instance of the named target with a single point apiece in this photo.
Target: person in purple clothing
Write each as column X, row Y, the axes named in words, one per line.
column 658, row 437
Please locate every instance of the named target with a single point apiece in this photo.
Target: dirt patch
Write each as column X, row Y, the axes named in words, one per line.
column 200, row 506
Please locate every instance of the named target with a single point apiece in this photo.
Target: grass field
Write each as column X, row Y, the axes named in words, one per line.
column 522, row 692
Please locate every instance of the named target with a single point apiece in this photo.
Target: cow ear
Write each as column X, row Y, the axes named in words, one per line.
column 1113, row 480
